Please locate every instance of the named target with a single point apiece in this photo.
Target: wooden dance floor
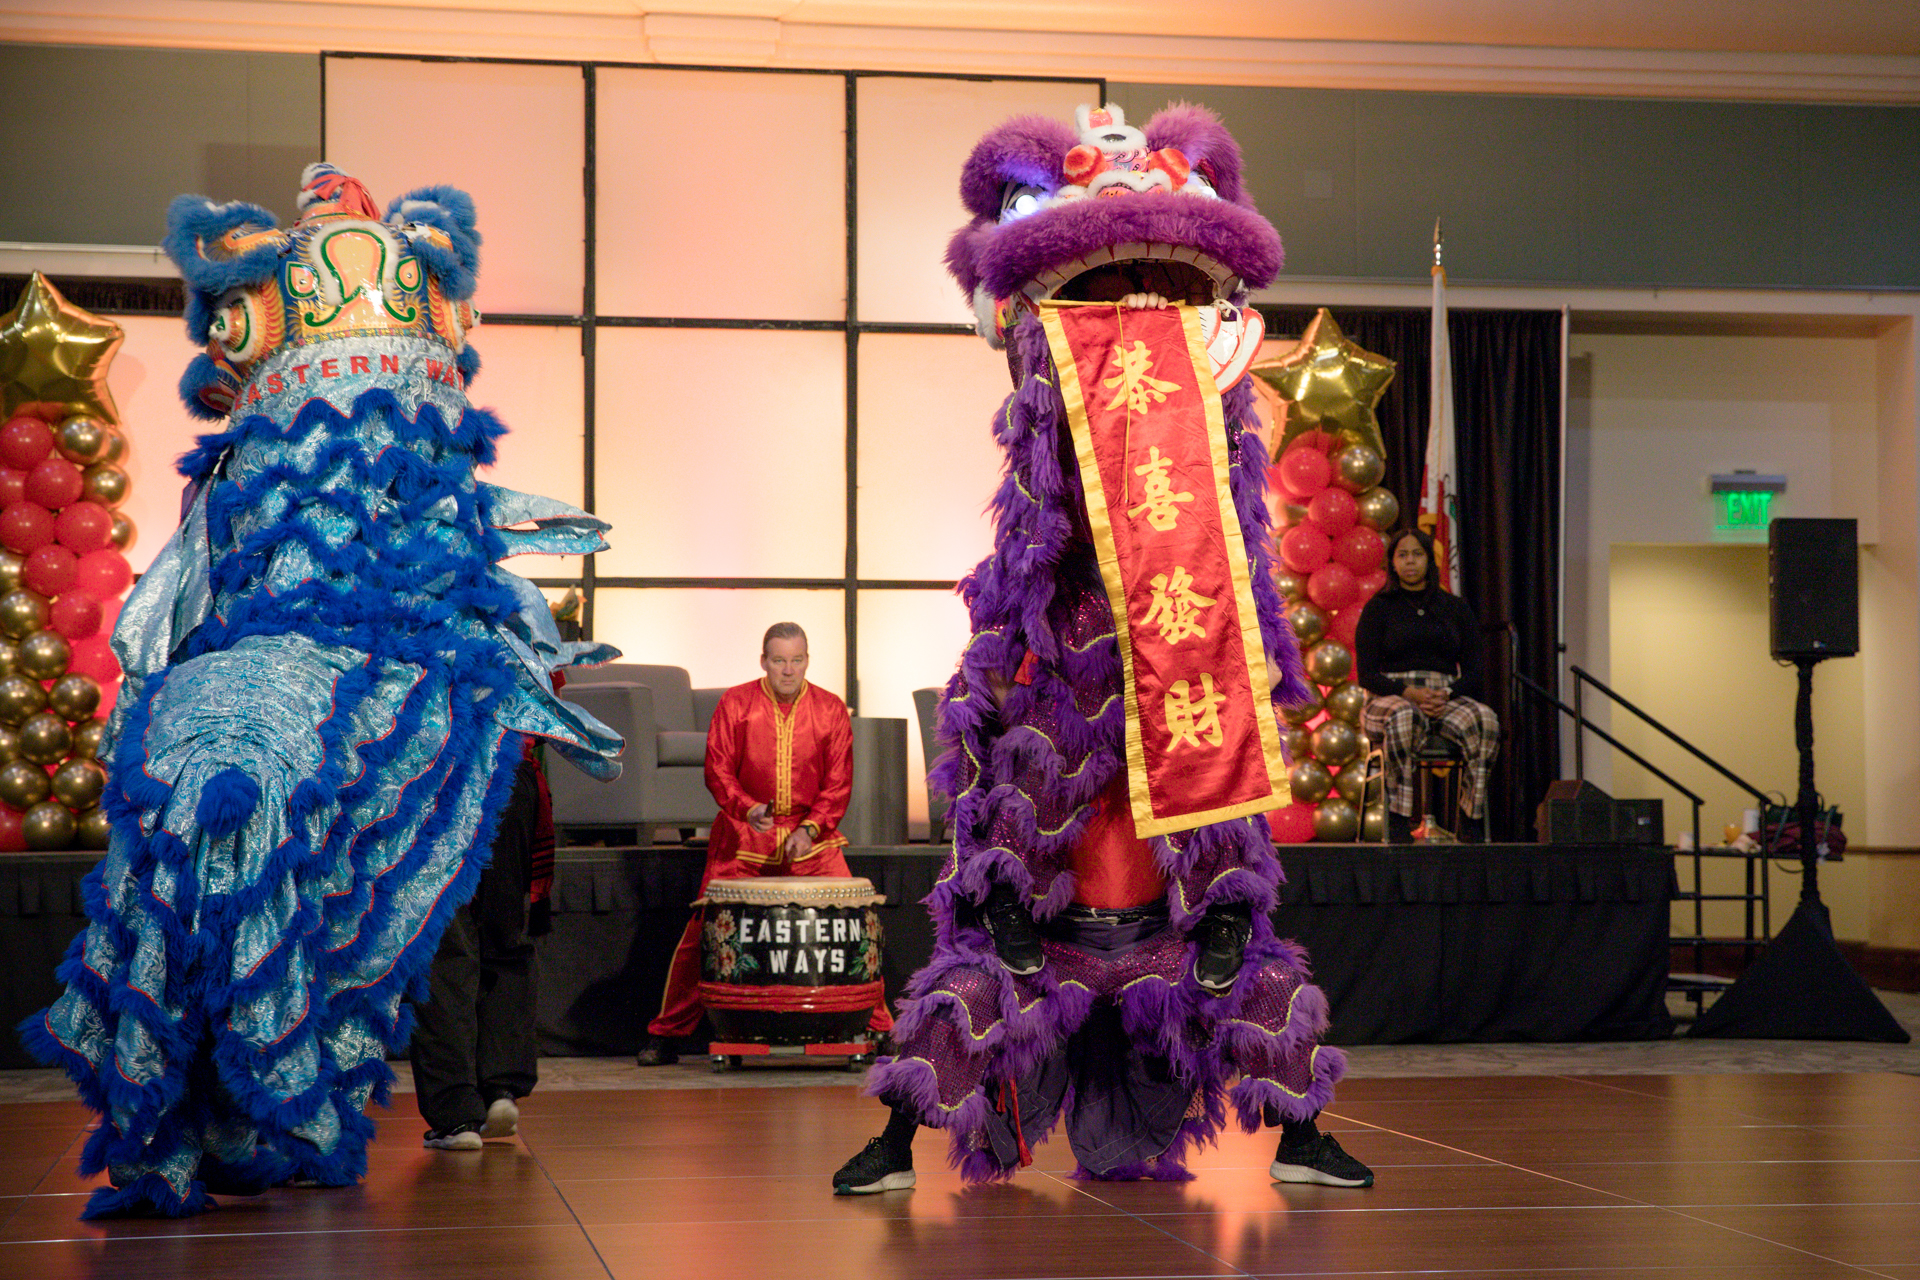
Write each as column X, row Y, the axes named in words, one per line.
column 1694, row 1176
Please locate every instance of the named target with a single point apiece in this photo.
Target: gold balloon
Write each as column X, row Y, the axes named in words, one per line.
column 54, row 356
column 1293, row 586
column 20, row 698
column 1293, row 715
column 86, row 738
column 22, row 612
column 1298, row 738
column 1373, row 824
column 104, row 483
column 9, row 658
column 9, row 745
column 1335, row 744
column 1335, row 821
column 115, row 448
column 11, row 563
column 1309, row 623
column 48, row 825
column 1358, row 468
column 78, row 784
column 1346, row 703
column 81, row 440
column 124, row 532
column 93, row 830
column 45, row 738
column 1329, row 662
column 44, row 655
column 1379, row 509
column 1309, row 781
column 23, row 785
column 74, row 696
column 1350, row 782
column 1329, row 384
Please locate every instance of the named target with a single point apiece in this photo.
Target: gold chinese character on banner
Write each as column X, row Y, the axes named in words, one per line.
column 1193, row 721
column 1176, row 606
column 1162, row 513
column 1139, row 390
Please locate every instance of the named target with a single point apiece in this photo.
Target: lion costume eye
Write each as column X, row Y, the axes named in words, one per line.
column 1020, row 199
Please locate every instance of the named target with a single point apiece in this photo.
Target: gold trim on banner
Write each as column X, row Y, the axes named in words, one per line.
column 1146, row 825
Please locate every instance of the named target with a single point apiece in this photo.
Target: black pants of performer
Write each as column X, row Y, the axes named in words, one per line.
column 473, row 1039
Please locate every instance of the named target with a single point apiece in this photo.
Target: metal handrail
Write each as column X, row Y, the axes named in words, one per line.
column 1583, row 676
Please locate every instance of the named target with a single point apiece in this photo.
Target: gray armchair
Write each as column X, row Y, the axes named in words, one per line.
column 665, row 724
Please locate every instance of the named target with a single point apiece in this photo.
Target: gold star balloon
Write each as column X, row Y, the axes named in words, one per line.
column 54, row 357
column 1329, row 383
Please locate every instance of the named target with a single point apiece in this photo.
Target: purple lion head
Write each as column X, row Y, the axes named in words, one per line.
column 1106, row 210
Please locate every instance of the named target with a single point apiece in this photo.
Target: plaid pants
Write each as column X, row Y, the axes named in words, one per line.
column 1400, row 730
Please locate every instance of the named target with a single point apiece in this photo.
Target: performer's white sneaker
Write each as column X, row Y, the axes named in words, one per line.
column 503, row 1119
column 464, row 1138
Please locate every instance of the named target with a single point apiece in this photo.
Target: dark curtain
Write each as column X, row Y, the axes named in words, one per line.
column 1506, row 403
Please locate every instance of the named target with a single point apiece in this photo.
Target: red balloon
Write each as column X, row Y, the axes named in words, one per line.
column 1361, row 549
column 13, row 485
column 54, row 483
column 102, row 574
column 1371, row 583
column 84, row 527
column 50, row 570
column 25, row 526
column 75, row 615
column 1342, row 626
column 1332, row 586
column 1334, row 510
column 1304, row 471
column 1304, row 548
column 1293, row 824
column 92, row 657
column 13, row 836
column 24, row 442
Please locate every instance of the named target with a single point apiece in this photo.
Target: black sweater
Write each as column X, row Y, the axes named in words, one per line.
column 1417, row 631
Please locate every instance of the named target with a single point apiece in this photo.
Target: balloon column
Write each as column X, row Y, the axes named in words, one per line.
column 62, row 568
column 1331, row 559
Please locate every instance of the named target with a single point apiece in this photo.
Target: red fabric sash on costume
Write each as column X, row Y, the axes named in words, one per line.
column 1202, row 742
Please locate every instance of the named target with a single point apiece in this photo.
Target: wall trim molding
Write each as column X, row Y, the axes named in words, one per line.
column 713, row 40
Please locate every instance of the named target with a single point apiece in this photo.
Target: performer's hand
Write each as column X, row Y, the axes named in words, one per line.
column 799, row 844
column 759, row 819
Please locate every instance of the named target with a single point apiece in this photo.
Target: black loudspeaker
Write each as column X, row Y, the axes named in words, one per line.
column 1574, row 812
column 1813, row 588
column 1641, row 822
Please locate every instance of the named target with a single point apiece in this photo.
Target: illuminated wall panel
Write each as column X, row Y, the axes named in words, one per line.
column 721, row 452
column 928, row 463
column 144, row 378
column 914, row 134
column 513, row 136
column 531, row 378
column 722, row 193
column 908, row 640
column 715, row 633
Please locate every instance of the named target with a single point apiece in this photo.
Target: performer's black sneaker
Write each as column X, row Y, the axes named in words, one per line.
column 1222, row 934
column 462, row 1137
column 1318, row 1160
column 1010, row 926
column 656, row 1051
column 878, row 1167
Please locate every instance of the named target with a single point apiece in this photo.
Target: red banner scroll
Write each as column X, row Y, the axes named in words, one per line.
column 1202, row 743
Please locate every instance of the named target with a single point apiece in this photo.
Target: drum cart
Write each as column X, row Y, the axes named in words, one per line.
column 858, row 1053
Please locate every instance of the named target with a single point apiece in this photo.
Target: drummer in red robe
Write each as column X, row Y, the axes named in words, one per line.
column 780, row 766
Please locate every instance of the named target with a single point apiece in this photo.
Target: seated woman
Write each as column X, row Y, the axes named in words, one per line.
column 1418, row 652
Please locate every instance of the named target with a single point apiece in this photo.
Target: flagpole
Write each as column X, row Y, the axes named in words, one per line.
column 1439, row 487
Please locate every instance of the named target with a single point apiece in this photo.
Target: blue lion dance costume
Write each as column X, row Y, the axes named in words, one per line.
column 328, row 682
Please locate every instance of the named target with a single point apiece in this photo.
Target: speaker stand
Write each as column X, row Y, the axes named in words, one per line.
column 1800, row 987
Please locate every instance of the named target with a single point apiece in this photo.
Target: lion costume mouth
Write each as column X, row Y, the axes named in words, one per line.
column 1178, row 273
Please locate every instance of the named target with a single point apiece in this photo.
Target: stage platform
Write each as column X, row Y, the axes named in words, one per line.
column 1412, row 943
column 1706, row 1177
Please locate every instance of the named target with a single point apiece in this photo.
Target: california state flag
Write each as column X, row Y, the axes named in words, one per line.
column 1439, row 490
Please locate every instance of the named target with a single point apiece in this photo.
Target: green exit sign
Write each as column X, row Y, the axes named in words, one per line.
column 1740, row 511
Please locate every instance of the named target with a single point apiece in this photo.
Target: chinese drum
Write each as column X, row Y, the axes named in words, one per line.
column 790, row 959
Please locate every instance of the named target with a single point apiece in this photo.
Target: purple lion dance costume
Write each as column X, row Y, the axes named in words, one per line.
column 1037, row 1005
